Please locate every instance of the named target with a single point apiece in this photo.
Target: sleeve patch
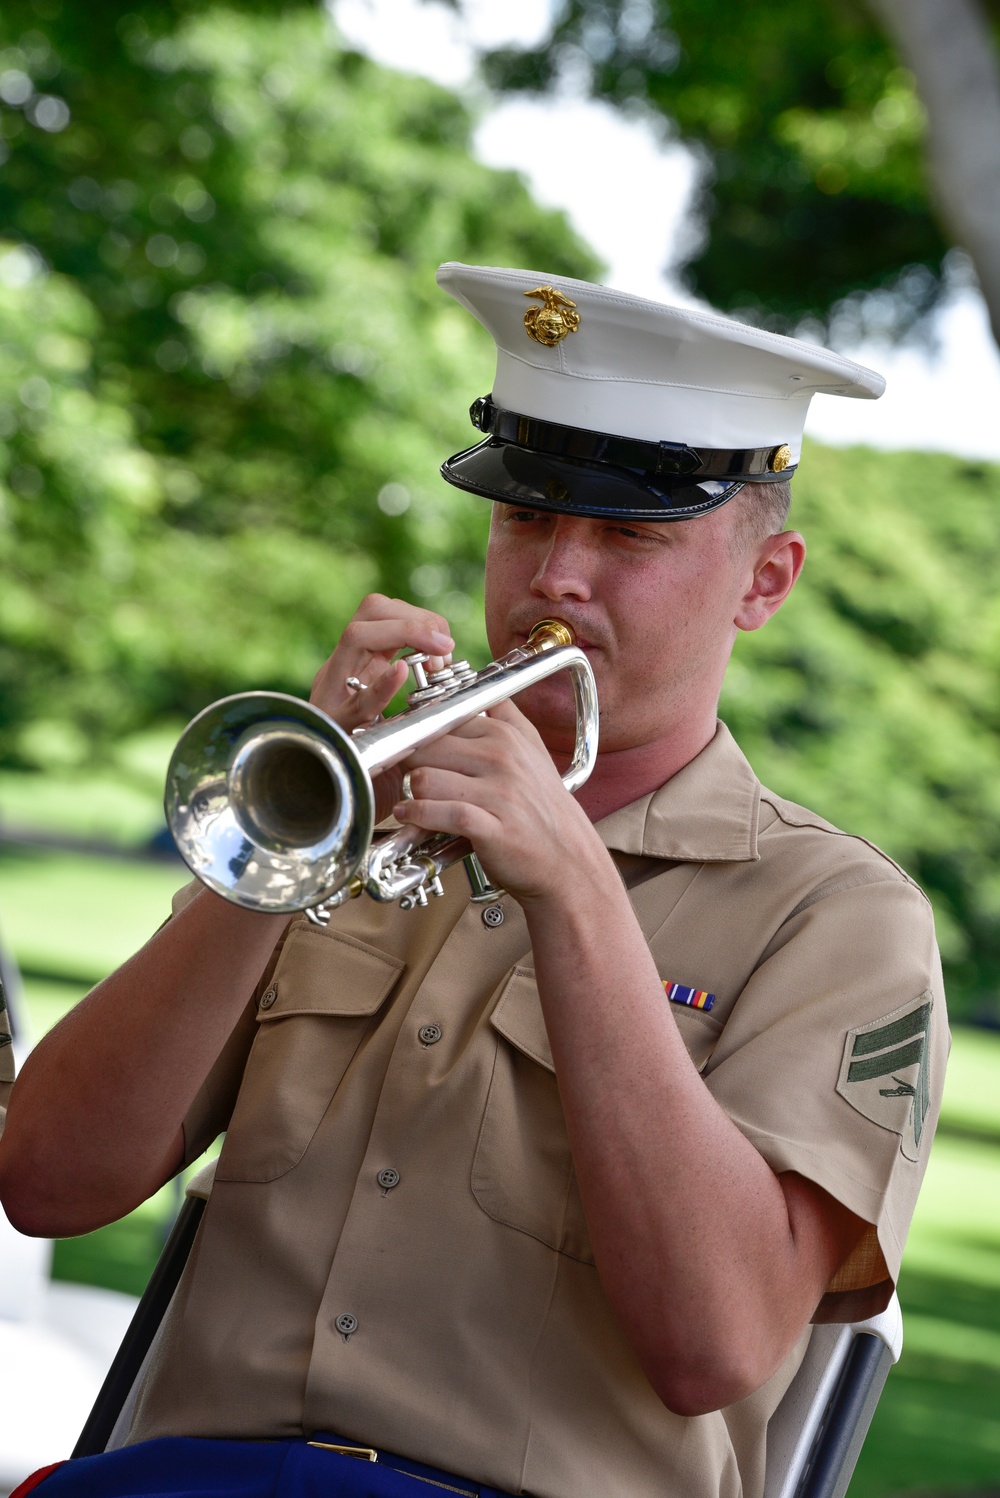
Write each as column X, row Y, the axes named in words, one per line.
column 885, row 1073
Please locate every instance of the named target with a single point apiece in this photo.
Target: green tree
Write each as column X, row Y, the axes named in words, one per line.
column 227, row 376
column 872, row 695
column 950, row 48
column 811, row 132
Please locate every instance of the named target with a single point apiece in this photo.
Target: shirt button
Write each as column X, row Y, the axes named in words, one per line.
column 388, row 1178
column 429, row 1034
column 268, row 998
column 346, row 1323
column 493, row 915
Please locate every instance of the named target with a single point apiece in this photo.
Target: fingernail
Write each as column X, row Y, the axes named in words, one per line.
column 443, row 642
column 399, row 811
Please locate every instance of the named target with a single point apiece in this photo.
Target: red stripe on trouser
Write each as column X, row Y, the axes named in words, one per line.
column 30, row 1483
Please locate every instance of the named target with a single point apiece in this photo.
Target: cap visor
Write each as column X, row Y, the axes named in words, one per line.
column 518, row 476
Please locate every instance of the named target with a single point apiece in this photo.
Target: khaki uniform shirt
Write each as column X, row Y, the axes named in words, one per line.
column 395, row 1248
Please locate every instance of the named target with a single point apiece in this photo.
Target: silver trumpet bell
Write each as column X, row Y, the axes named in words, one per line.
column 271, row 803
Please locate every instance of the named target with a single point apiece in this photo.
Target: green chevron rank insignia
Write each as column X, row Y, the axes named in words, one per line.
column 885, row 1071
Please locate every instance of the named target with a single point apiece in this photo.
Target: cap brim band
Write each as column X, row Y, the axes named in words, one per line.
column 517, row 476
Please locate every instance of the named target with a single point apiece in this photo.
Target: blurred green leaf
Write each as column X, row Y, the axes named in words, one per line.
column 872, row 696
column 814, row 202
column 227, row 378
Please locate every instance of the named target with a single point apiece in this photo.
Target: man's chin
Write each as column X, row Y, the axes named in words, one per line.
column 549, row 708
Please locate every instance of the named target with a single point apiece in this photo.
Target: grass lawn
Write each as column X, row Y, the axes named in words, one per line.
column 121, row 804
column 937, row 1429
column 68, row 915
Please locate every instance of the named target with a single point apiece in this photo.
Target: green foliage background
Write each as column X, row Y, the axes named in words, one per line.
column 815, row 194
column 872, row 696
column 227, row 377
column 227, row 380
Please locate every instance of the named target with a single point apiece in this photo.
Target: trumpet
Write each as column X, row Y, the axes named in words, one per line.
column 271, row 803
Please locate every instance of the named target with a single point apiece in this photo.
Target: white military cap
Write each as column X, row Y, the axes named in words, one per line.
column 605, row 403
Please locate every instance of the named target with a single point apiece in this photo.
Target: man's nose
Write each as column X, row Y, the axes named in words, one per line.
column 564, row 570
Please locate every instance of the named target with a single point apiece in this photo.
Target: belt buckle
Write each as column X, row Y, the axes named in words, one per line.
column 363, row 1453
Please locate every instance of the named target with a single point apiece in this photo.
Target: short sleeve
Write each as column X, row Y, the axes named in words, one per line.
column 183, row 897
column 212, row 1108
column 832, row 1065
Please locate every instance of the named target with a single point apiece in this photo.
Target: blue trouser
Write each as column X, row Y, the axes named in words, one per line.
column 195, row 1468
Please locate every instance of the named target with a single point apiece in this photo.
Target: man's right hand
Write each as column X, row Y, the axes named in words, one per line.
column 379, row 629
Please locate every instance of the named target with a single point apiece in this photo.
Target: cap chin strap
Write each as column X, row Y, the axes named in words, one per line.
column 657, row 460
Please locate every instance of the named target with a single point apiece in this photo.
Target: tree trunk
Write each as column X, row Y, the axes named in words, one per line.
column 949, row 48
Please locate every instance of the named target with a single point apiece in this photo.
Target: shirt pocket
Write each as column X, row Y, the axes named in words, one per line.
column 312, row 1019
column 522, row 1173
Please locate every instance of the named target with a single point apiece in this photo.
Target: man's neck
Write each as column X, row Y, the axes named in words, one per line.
column 623, row 775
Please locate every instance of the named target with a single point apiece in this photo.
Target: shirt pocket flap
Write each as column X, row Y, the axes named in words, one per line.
column 302, row 979
column 518, row 1017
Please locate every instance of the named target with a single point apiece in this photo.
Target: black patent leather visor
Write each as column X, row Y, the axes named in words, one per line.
column 517, row 476
column 571, row 471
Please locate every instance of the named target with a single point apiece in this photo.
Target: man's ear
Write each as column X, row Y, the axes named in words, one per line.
column 776, row 566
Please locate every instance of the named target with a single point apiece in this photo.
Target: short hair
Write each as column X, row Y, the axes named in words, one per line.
column 760, row 510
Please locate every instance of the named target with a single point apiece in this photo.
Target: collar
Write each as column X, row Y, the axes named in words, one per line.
column 706, row 813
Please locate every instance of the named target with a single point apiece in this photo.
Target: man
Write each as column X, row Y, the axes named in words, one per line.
column 543, row 1196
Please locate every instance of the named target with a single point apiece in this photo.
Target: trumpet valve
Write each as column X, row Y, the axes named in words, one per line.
column 416, row 661
column 418, row 898
column 423, row 690
column 428, row 694
column 430, row 688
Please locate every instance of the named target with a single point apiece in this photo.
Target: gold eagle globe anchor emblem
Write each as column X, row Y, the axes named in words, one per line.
column 557, row 316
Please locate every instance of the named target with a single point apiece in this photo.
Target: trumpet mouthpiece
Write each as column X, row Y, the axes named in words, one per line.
column 549, row 632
